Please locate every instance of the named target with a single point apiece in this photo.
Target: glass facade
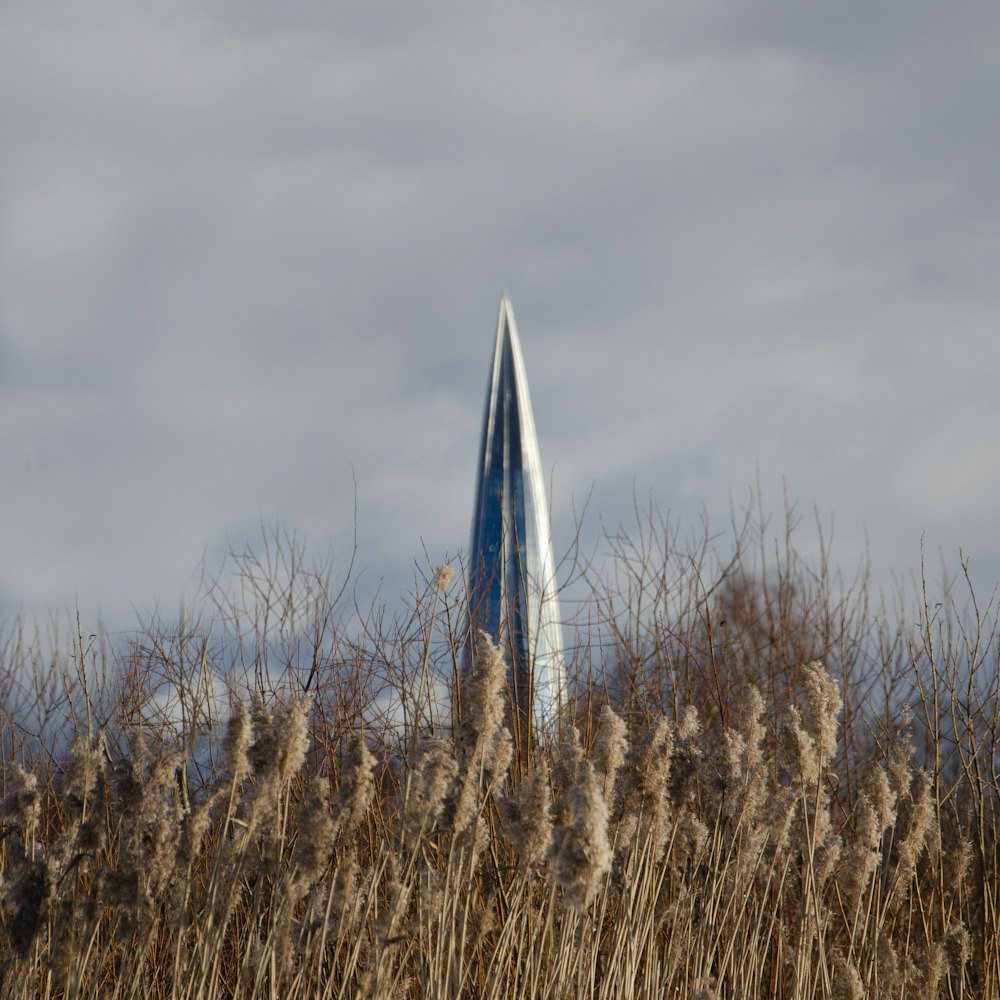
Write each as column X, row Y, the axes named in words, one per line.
column 512, row 586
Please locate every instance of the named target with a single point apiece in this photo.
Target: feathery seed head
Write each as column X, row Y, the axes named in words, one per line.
column 429, row 786
column 496, row 761
column 648, row 767
column 646, row 783
column 798, row 750
column 610, row 748
column 847, row 984
column 754, row 731
column 882, row 797
column 86, row 762
column 20, row 805
column 263, row 751
column 921, row 817
column 823, row 705
column 690, row 725
column 687, row 755
column 129, row 777
column 527, row 816
column 316, row 828
column 863, row 853
column 465, row 801
column 956, row 943
column 27, row 895
column 236, row 742
column 482, row 699
column 690, row 841
column 356, row 788
column 568, row 758
column 345, row 899
column 957, row 863
column 580, row 852
column 279, row 749
column 194, row 826
column 293, row 744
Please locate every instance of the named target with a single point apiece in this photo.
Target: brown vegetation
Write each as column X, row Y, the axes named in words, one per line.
column 739, row 806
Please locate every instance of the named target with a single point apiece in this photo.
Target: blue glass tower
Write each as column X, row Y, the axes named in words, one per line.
column 512, row 586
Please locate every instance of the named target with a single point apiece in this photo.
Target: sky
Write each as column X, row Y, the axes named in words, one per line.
column 251, row 256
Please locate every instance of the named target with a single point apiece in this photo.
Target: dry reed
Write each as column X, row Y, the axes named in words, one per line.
column 720, row 822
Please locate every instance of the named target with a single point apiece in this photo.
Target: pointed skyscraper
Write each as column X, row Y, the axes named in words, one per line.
column 512, row 586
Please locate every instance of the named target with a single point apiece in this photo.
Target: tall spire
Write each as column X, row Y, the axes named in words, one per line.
column 512, row 586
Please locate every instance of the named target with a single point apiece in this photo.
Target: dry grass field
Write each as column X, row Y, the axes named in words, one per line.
column 769, row 784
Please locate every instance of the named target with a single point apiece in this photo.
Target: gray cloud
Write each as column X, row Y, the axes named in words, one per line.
column 246, row 250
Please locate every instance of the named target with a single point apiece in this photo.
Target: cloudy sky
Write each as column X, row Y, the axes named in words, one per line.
column 251, row 253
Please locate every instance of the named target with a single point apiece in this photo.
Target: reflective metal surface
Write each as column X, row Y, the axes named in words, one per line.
column 512, row 587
